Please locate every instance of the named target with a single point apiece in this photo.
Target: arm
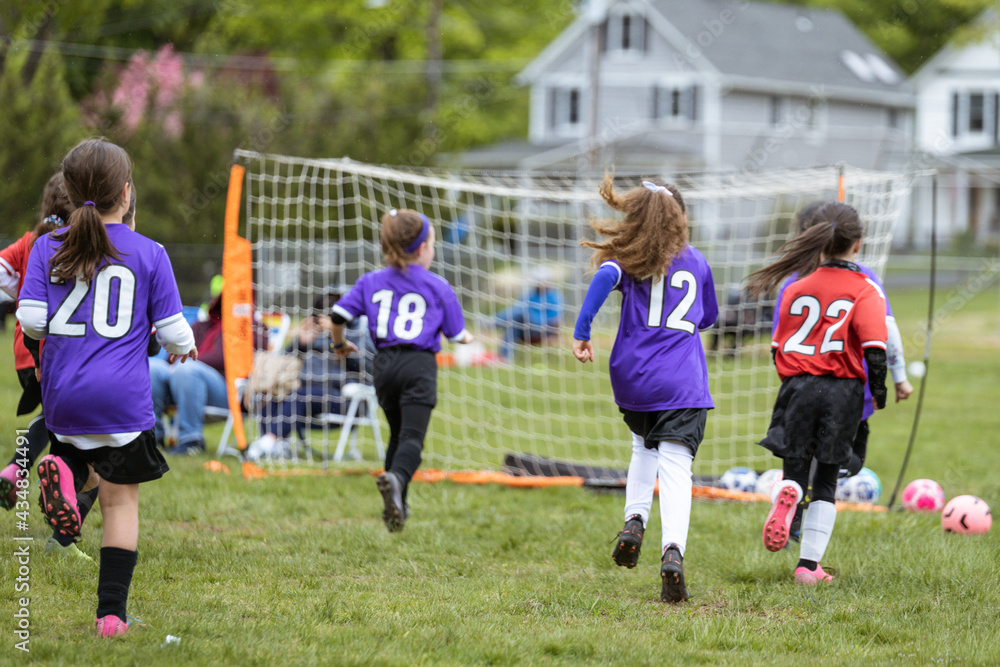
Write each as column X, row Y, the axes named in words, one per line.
column 875, row 356
column 608, row 277
column 896, row 361
column 175, row 336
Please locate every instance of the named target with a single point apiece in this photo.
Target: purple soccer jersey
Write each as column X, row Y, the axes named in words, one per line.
column 411, row 307
column 658, row 360
column 95, row 372
column 869, row 409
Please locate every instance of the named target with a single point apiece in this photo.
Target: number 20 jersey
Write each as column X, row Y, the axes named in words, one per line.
column 95, row 372
column 827, row 319
column 658, row 361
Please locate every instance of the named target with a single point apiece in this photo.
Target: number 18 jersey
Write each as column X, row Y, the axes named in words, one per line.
column 411, row 307
column 827, row 319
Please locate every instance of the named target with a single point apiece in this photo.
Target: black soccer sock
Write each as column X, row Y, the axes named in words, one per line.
column 35, row 441
column 114, row 581
column 808, row 564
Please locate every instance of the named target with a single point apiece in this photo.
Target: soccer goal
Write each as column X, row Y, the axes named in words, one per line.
column 509, row 245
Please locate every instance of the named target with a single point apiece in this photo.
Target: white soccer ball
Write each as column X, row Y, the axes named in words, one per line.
column 767, row 480
column 865, row 487
column 739, row 479
column 923, row 495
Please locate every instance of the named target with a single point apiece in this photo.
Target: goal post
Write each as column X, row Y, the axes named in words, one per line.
column 506, row 236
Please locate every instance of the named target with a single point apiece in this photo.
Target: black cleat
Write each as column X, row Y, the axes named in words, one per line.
column 626, row 553
column 672, row 574
column 395, row 512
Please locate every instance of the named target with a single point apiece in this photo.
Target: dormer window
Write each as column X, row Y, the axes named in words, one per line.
column 625, row 32
column 565, row 108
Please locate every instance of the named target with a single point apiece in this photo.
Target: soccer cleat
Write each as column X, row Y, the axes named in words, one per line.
column 779, row 519
column 111, row 626
column 626, row 553
column 806, row 577
column 672, row 574
column 395, row 512
column 72, row 551
column 58, row 497
column 8, row 486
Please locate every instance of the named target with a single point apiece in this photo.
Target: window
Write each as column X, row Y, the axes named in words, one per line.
column 973, row 113
column 626, row 33
column 892, row 118
column 675, row 103
column 778, row 110
column 565, row 107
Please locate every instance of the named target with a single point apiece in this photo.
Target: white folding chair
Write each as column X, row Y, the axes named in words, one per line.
column 358, row 394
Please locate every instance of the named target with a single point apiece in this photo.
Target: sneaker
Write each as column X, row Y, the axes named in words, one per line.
column 807, row 577
column 394, row 514
column 672, row 574
column 626, row 553
column 8, row 486
column 192, row 448
column 111, row 626
column 58, row 497
column 779, row 519
column 72, row 551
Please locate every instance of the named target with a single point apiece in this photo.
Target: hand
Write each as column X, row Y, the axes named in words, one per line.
column 583, row 350
column 38, row 374
column 192, row 355
column 324, row 322
column 346, row 350
column 903, row 390
column 308, row 331
column 467, row 339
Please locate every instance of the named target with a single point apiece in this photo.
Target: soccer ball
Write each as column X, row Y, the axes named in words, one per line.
column 865, row 487
column 923, row 495
column 966, row 514
column 767, row 480
column 739, row 479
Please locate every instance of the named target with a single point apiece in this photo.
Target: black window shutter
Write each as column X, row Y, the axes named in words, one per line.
column 996, row 118
column 954, row 114
column 656, row 102
column 602, row 37
column 694, row 103
column 552, row 107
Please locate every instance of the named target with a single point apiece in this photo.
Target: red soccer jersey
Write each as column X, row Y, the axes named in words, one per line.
column 827, row 319
column 13, row 261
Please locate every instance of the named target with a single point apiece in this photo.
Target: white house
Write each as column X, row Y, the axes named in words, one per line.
column 958, row 133
column 695, row 84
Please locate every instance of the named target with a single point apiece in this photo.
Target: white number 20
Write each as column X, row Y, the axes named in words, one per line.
column 109, row 320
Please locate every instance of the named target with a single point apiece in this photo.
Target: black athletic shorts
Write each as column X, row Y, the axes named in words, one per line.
column 138, row 461
column 682, row 425
column 816, row 416
column 405, row 376
column 31, row 394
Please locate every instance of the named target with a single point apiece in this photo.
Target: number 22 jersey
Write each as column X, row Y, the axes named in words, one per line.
column 410, row 307
column 827, row 319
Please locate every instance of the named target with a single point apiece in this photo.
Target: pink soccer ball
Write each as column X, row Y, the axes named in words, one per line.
column 923, row 495
column 966, row 514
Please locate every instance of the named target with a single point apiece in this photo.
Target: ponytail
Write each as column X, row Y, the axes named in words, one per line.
column 95, row 173
column 835, row 227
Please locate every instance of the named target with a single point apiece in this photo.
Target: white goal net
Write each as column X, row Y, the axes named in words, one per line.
column 505, row 237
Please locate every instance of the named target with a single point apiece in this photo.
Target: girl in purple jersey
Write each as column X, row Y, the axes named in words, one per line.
column 408, row 310
column 94, row 292
column 658, row 370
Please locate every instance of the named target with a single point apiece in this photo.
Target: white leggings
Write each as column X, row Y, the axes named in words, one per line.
column 673, row 463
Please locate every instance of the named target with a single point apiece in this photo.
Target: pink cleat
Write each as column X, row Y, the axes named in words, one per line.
column 8, row 486
column 58, row 496
column 779, row 519
column 111, row 626
column 807, row 577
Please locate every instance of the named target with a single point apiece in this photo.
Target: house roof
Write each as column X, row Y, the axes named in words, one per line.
column 757, row 45
column 985, row 24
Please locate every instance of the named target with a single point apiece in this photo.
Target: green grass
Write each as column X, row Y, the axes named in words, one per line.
column 301, row 571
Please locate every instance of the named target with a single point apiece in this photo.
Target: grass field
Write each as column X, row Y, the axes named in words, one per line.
column 301, row 570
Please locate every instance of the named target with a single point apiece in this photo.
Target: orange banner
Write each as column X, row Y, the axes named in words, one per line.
column 237, row 302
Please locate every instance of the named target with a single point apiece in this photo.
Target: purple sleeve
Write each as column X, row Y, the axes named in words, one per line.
column 453, row 321
column 36, row 276
column 351, row 305
column 777, row 302
column 600, row 287
column 871, row 274
column 709, row 302
column 164, row 299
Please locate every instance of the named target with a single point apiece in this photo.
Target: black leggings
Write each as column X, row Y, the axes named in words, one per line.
column 407, row 429
column 824, row 483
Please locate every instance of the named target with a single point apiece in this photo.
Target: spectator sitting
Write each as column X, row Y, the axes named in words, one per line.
column 534, row 318
column 321, row 377
column 195, row 385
